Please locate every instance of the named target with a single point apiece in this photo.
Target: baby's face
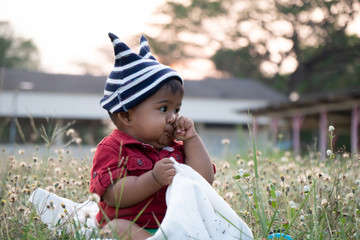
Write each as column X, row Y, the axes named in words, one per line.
column 152, row 120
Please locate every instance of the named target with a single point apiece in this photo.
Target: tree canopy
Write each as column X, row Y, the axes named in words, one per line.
column 292, row 45
column 16, row 52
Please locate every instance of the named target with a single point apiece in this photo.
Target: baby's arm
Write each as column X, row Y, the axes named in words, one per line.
column 131, row 190
column 196, row 154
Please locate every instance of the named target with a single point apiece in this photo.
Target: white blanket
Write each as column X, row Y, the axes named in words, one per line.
column 50, row 207
column 194, row 211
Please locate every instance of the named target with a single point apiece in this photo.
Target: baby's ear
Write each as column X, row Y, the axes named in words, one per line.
column 123, row 118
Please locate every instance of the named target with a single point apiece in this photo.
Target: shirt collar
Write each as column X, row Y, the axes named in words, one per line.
column 127, row 140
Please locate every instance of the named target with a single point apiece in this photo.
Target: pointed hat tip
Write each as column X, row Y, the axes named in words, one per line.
column 112, row 36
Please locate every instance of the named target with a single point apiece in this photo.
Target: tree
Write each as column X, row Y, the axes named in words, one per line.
column 293, row 45
column 16, row 52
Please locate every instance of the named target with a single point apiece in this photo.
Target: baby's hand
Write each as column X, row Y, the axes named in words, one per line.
column 184, row 128
column 164, row 171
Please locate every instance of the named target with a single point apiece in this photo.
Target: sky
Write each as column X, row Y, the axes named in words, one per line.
column 67, row 32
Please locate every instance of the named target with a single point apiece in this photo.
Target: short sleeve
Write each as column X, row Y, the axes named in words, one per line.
column 214, row 168
column 108, row 167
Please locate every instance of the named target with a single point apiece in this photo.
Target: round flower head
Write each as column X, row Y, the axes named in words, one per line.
column 134, row 78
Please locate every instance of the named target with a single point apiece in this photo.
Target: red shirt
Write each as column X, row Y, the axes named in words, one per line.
column 118, row 155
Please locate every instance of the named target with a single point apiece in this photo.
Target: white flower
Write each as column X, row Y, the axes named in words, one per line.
column 94, row 197
column 306, row 189
column 78, row 140
column 329, row 152
column 226, row 165
column 70, row 132
column 349, row 195
column 292, row 204
column 59, row 151
column 216, row 183
column 229, row 195
column 225, row 141
column 241, row 172
column 357, row 182
column 331, row 128
column 277, row 194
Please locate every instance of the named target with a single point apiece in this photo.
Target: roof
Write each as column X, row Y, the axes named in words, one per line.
column 11, row 79
column 233, row 88
column 343, row 99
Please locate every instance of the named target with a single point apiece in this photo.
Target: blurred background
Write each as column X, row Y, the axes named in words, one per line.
column 285, row 68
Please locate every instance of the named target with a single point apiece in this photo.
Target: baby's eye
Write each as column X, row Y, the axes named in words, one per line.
column 163, row 109
column 177, row 110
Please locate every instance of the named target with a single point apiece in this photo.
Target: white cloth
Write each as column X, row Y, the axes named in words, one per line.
column 196, row 211
column 49, row 207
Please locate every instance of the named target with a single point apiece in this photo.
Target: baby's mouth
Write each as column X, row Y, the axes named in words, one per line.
column 170, row 130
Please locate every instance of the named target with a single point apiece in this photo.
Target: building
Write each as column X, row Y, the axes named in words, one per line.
column 42, row 99
column 308, row 118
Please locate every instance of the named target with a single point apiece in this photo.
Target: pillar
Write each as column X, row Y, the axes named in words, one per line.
column 354, row 129
column 323, row 126
column 297, row 122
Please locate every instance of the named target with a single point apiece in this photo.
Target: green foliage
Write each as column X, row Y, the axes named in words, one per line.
column 332, row 66
column 229, row 60
column 16, row 52
column 52, row 133
column 56, row 171
column 307, row 198
column 242, row 33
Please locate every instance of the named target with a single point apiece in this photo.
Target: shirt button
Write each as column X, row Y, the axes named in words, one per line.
column 139, row 162
column 94, row 174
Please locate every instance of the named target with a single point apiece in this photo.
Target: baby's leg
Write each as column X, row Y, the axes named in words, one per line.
column 126, row 229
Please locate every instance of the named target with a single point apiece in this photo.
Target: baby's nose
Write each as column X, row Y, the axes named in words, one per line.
column 172, row 118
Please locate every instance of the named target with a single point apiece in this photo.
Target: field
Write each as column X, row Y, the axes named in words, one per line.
column 306, row 197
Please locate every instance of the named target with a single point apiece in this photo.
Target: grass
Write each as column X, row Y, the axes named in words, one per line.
column 307, row 197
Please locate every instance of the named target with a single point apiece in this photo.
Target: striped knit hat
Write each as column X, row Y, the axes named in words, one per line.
column 134, row 78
